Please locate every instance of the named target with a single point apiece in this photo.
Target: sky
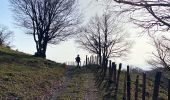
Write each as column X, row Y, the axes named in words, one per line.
column 68, row 50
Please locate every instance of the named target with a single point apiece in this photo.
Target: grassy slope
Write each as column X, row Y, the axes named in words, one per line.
column 74, row 88
column 149, row 87
column 78, row 85
column 164, row 78
column 25, row 77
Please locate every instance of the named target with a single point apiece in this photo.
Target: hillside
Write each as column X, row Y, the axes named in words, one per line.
column 78, row 84
column 164, row 78
column 23, row 76
column 163, row 94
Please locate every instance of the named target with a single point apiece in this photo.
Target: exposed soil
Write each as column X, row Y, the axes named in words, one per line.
column 77, row 84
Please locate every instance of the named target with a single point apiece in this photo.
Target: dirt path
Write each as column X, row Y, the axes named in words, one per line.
column 91, row 92
column 77, row 84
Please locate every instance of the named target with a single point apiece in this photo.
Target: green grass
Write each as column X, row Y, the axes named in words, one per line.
column 149, row 87
column 74, row 87
column 80, row 85
column 23, row 76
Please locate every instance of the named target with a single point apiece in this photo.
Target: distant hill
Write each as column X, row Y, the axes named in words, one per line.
column 133, row 73
column 151, row 75
column 23, row 76
column 164, row 78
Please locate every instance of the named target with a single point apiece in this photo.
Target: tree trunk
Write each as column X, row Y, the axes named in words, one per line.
column 44, row 48
column 41, row 49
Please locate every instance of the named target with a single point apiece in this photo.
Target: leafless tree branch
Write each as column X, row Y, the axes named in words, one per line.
column 49, row 21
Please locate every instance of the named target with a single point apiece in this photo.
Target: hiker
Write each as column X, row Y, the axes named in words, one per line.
column 78, row 61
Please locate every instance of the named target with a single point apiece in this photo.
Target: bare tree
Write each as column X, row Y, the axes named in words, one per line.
column 152, row 15
column 161, row 57
column 155, row 17
column 5, row 36
column 49, row 21
column 104, row 36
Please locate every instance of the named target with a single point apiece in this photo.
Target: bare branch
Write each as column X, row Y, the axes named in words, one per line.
column 104, row 37
column 49, row 21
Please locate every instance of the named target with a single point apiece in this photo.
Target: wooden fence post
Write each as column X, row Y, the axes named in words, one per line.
column 117, row 81
column 114, row 73
column 144, row 86
column 169, row 89
column 86, row 60
column 110, row 70
column 156, row 86
column 136, row 87
column 128, row 72
column 124, row 87
column 109, row 76
column 97, row 60
column 92, row 60
column 128, row 84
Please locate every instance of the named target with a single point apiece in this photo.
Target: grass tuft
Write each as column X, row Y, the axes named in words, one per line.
column 23, row 76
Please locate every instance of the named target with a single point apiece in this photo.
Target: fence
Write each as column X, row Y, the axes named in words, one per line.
column 110, row 79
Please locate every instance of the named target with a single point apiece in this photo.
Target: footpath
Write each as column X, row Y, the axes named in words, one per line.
column 77, row 84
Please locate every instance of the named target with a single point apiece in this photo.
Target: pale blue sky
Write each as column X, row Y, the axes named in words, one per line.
column 66, row 51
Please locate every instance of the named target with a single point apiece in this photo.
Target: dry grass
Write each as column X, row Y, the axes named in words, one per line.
column 23, row 76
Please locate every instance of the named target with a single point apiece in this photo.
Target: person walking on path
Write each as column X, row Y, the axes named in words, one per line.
column 78, row 61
